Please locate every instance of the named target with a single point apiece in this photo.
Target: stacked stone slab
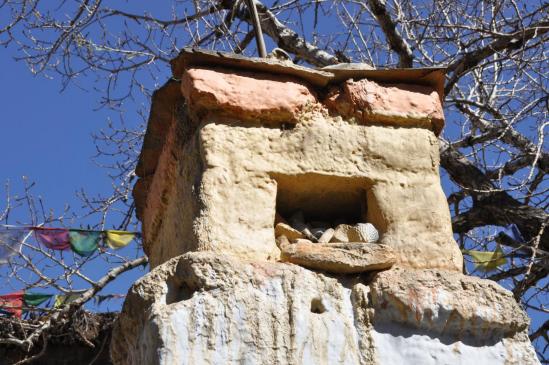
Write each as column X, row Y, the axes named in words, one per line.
column 230, row 141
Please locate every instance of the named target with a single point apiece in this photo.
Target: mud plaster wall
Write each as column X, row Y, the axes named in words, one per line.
column 215, row 185
column 172, row 202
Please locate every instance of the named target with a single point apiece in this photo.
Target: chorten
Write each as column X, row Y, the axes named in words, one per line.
column 296, row 216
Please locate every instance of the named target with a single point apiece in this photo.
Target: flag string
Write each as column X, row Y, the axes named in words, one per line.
column 14, row 304
column 83, row 242
column 24, row 227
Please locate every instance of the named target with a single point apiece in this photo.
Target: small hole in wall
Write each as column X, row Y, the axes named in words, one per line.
column 178, row 292
column 317, row 306
column 287, row 126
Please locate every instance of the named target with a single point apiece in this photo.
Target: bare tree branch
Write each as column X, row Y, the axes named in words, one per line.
column 491, row 206
column 389, row 27
column 504, row 42
column 28, row 342
column 289, row 40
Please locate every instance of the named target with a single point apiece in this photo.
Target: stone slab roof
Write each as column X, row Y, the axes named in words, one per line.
column 188, row 57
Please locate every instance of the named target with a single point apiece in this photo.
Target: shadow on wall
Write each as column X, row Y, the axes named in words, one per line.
column 324, row 198
column 397, row 330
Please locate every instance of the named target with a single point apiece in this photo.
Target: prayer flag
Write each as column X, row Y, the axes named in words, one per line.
column 54, row 238
column 10, row 243
column 61, row 300
column 513, row 232
column 487, row 260
column 12, row 303
column 35, row 299
column 84, row 243
column 101, row 298
column 119, row 239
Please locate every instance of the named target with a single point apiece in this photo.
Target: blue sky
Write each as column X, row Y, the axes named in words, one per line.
column 46, row 136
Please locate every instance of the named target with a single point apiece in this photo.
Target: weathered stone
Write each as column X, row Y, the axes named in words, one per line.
column 246, row 95
column 189, row 57
column 338, row 258
column 397, row 105
column 361, row 232
column 341, row 233
column 446, row 303
column 308, row 234
column 348, row 66
column 317, row 232
column 302, row 240
column 326, row 236
column 206, row 308
column 282, row 229
column 366, row 232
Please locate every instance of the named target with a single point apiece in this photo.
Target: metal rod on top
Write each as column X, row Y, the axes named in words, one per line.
column 257, row 28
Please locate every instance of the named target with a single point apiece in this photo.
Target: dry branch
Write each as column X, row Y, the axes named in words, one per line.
column 389, row 27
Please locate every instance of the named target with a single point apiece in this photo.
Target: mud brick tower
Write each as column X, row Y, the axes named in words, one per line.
column 247, row 166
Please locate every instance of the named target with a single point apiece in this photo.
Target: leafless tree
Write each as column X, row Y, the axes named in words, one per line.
column 496, row 102
column 32, row 266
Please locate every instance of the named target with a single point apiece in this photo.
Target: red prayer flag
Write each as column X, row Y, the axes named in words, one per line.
column 54, row 238
column 12, row 303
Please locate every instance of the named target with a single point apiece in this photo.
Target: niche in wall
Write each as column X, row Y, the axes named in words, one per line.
column 322, row 198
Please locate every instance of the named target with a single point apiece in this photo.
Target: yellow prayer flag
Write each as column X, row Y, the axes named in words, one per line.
column 487, row 260
column 119, row 239
column 61, row 300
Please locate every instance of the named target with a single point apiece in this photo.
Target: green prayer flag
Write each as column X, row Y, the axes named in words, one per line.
column 487, row 260
column 35, row 299
column 84, row 243
column 119, row 239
